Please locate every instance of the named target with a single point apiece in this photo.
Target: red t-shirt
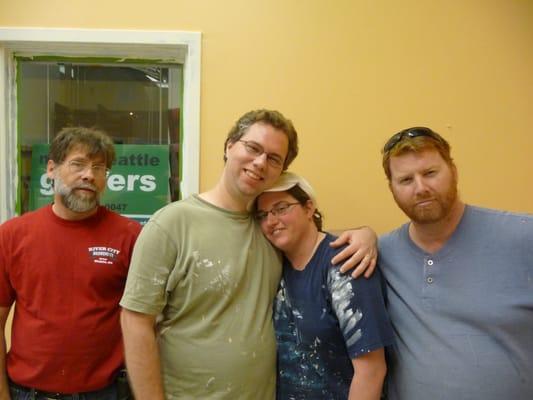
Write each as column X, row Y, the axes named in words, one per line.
column 67, row 279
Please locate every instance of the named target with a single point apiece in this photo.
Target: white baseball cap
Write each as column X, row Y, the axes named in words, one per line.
column 288, row 180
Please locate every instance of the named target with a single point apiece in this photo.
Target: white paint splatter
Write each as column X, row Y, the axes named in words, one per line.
column 210, row 382
column 164, row 330
column 157, row 281
column 341, row 290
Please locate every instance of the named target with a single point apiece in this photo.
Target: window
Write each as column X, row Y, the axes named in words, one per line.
column 140, row 87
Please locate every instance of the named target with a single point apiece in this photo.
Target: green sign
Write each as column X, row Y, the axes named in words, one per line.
column 137, row 185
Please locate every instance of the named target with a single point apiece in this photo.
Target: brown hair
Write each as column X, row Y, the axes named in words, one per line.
column 95, row 141
column 302, row 197
column 269, row 117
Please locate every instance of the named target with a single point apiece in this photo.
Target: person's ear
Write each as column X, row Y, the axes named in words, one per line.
column 309, row 208
column 51, row 166
column 455, row 173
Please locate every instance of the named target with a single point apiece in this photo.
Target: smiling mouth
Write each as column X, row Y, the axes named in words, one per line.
column 252, row 175
column 276, row 231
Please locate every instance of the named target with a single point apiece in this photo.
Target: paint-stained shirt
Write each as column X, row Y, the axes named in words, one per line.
column 323, row 320
column 212, row 276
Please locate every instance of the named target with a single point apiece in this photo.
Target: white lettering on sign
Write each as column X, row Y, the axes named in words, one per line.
column 130, row 183
column 115, row 183
column 47, row 188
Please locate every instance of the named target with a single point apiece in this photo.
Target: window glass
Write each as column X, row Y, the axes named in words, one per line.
column 137, row 103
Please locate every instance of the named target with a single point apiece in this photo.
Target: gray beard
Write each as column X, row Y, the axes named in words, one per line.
column 72, row 201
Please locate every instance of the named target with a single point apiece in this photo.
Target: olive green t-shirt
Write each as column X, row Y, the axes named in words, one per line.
column 212, row 277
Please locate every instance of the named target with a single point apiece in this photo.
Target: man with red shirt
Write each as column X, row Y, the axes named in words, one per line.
column 65, row 267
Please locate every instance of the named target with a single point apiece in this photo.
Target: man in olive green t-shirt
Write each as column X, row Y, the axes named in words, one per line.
column 203, row 266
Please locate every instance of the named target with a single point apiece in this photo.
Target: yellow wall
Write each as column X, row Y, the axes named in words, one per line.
column 350, row 73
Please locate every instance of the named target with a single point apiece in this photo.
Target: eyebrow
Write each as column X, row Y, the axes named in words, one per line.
column 428, row 168
column 96, row 160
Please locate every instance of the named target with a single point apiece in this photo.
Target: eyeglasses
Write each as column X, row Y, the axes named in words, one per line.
column 256, row 150
column 281, row 208
column 77, row 167
column 409, row 133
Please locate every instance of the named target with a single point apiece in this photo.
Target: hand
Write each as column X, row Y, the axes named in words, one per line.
column 361, row 251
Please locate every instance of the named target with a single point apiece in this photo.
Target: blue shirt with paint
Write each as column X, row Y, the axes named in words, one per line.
column 323, row 320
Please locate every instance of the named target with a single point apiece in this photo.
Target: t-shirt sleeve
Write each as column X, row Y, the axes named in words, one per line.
column 360, row 310
column 153, row 260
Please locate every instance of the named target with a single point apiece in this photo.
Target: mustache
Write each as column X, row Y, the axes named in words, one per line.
column 421, row 199
column 85, row 186
column 424, row 196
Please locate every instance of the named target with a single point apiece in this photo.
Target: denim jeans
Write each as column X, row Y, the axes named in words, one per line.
column 109, row 393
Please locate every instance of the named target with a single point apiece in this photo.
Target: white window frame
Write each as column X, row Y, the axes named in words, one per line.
column 168, row 46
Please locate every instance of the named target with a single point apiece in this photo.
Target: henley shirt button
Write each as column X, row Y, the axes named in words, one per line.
column 430, row 262
column 429, row 280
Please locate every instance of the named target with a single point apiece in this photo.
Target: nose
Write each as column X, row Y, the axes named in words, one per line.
column 87, row 174
column 270, row 220
column 260, row 160
column 420, row 184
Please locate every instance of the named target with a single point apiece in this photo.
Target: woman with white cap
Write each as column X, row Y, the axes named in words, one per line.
column 330, row 328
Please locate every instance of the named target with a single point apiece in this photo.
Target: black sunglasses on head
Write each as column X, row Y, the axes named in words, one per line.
column 409, row 133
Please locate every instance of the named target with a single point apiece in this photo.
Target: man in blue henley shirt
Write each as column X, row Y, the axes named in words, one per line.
column 459, row 283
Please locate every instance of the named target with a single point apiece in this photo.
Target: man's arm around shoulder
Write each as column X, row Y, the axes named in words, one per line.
column 360, row 253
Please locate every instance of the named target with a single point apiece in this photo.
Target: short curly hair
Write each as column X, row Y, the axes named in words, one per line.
column 268, row 117
column 95, row 141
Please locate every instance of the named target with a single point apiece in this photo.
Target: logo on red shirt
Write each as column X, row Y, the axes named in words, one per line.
column 103, row 255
